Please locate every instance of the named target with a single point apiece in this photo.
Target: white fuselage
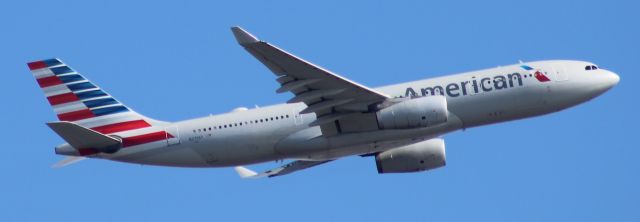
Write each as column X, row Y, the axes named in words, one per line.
column 279, row 132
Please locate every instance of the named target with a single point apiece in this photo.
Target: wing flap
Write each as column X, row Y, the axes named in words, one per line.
column 296, row 84
column 314, row 95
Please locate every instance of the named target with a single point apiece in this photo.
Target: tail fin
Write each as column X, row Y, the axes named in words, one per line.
column 75, row 99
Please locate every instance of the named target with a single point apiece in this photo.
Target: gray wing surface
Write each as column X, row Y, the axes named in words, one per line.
column 283, row 170
column 330, row 96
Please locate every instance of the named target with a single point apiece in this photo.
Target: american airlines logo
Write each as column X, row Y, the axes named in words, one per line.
column 479, row 85
column 536, row 73
column 471, row 87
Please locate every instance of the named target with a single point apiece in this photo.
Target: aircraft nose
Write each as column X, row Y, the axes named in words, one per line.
column 612, row 79
column 604, row 82
column 609, row 80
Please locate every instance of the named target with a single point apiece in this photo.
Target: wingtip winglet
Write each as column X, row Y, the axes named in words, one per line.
column 243, row 37
column 244, row 172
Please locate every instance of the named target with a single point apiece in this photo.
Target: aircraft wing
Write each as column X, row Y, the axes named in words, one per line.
column 330, row 96
column 283, row 170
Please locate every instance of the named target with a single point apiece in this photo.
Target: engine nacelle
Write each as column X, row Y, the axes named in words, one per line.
column 425, row 155
column 414, row 113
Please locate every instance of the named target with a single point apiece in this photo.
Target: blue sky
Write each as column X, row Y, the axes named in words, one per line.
column 178, row 60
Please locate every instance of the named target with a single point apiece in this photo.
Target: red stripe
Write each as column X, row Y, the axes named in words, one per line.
column 123, row 126
column 132, row 141
column 49, row 81
column 145, row 138
column 62, row 98
column 76, row 115
column 37, row 65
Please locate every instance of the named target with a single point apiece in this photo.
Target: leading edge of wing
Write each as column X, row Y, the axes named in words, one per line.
column 247, row 39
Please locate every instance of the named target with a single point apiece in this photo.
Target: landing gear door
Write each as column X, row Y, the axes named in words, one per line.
column 173, row 135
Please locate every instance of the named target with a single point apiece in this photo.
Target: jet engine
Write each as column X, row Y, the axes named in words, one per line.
column 414, row 113
column 421, row 156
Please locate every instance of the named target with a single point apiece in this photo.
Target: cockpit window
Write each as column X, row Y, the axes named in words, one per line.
column 587, row 68
column 594, row 67
column 590, row 67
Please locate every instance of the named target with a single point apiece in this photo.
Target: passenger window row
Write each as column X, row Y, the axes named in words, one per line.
column 245, row 123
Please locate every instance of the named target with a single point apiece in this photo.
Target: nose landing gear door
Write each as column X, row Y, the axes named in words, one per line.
column 172, row 135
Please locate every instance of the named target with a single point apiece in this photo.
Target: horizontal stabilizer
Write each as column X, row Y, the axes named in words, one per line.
column 80, row 137
column 68, row 161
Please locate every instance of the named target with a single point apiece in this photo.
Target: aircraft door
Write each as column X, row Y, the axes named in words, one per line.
column 561, row 73
column 297, row 118
column 172, row 135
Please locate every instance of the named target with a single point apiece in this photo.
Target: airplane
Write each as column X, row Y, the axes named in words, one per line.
column 329, row 116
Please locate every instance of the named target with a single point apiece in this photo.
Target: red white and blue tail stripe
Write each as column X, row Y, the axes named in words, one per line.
column 75, row 99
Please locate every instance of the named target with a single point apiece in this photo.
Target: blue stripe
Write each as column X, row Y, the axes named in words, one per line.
column 525, row 67
column 90, row 94
column 100, row 102
column 70, row 78
column 52, row 62
column 81, row 86
column 61, row 70
column 109, row 110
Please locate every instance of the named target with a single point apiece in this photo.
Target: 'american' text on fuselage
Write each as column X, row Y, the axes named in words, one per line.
column 470, row 87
